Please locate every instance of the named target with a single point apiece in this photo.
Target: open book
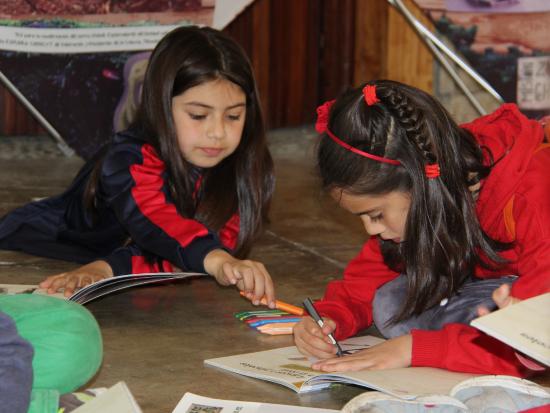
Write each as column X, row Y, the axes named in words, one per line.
column 286, row 366
column 103, row 287
column 524, row 326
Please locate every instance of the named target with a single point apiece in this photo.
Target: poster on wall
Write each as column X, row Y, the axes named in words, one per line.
column 505, row 41
column 80, row 63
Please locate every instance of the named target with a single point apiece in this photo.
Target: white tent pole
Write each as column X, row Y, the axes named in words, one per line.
column 428, row 36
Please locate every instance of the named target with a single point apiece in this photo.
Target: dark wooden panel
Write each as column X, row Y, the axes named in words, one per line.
column 337, row 51
column 251, row 30
column 260, row 49
column 408, row 59
column 15, row 120
column 302, row 51
column 371, row 40
column 292, row 76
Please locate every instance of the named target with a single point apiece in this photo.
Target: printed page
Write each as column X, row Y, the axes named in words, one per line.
column 524, row 326
column 285, row 365
column 192, row 403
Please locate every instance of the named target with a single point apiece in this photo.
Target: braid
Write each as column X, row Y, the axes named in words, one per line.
column 444, row 241
column 411, row 119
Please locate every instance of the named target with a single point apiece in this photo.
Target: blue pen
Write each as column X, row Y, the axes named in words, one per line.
column 308, row 304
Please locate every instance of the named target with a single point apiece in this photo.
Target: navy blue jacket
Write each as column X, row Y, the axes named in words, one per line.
column 134, row 215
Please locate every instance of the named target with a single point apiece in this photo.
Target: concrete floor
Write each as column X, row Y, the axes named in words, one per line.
column 156, row 338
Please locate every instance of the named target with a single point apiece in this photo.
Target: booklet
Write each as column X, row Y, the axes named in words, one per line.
column 524, row 326
column 192, row 403
column 286, row 366
column 103, row 287
column 116, row 399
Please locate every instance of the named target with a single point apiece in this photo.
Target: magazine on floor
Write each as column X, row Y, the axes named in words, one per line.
column 193, row 403
column 103, row 287
column 286, row 366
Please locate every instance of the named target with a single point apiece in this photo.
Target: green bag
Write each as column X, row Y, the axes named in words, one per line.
column 68, row 349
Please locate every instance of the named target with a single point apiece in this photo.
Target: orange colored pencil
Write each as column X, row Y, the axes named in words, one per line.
column 281, row 305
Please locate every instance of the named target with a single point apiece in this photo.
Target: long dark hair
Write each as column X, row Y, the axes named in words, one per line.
column 443, row 238
column 243, row 182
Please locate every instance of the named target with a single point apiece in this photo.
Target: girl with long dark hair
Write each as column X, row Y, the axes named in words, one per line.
column 453, row 214
column 188, row 185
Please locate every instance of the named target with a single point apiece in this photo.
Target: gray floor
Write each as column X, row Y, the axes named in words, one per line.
column 155, row 338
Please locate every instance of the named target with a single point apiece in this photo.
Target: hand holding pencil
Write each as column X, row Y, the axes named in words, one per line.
column 313, row 335
column 308, row 305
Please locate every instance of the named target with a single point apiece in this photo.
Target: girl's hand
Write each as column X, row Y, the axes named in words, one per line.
column 391, row 354
column 82, row 276
column 502, row 297
column 311, row 340
column 251, row 277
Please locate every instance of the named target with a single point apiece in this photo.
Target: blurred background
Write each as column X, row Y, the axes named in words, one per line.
column 303, row 52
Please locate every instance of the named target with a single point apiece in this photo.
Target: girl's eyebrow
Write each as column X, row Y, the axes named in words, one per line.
column 203, row 105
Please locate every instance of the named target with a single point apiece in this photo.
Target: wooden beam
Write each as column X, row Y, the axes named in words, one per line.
column 260, row 55
column 371, row 40
column 409, row 60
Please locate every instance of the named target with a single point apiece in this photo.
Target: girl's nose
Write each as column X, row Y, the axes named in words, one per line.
column 372, row 228
column 216, row 129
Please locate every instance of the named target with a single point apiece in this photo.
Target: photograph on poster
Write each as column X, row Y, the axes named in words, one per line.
column 505, row 42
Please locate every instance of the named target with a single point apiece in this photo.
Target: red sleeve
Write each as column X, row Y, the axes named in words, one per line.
column 349, row 301
column 532, row 228
column 459, row 347
column 131, row 260
column 229, row 234
column 150, row 198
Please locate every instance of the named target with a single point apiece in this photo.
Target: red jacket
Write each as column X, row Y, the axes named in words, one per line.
column 513, row 205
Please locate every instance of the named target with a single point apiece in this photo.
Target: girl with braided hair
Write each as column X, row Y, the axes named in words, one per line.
column 454, row 213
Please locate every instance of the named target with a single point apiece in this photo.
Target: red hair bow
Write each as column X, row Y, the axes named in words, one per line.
column 369, row 91
column 323, row 112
